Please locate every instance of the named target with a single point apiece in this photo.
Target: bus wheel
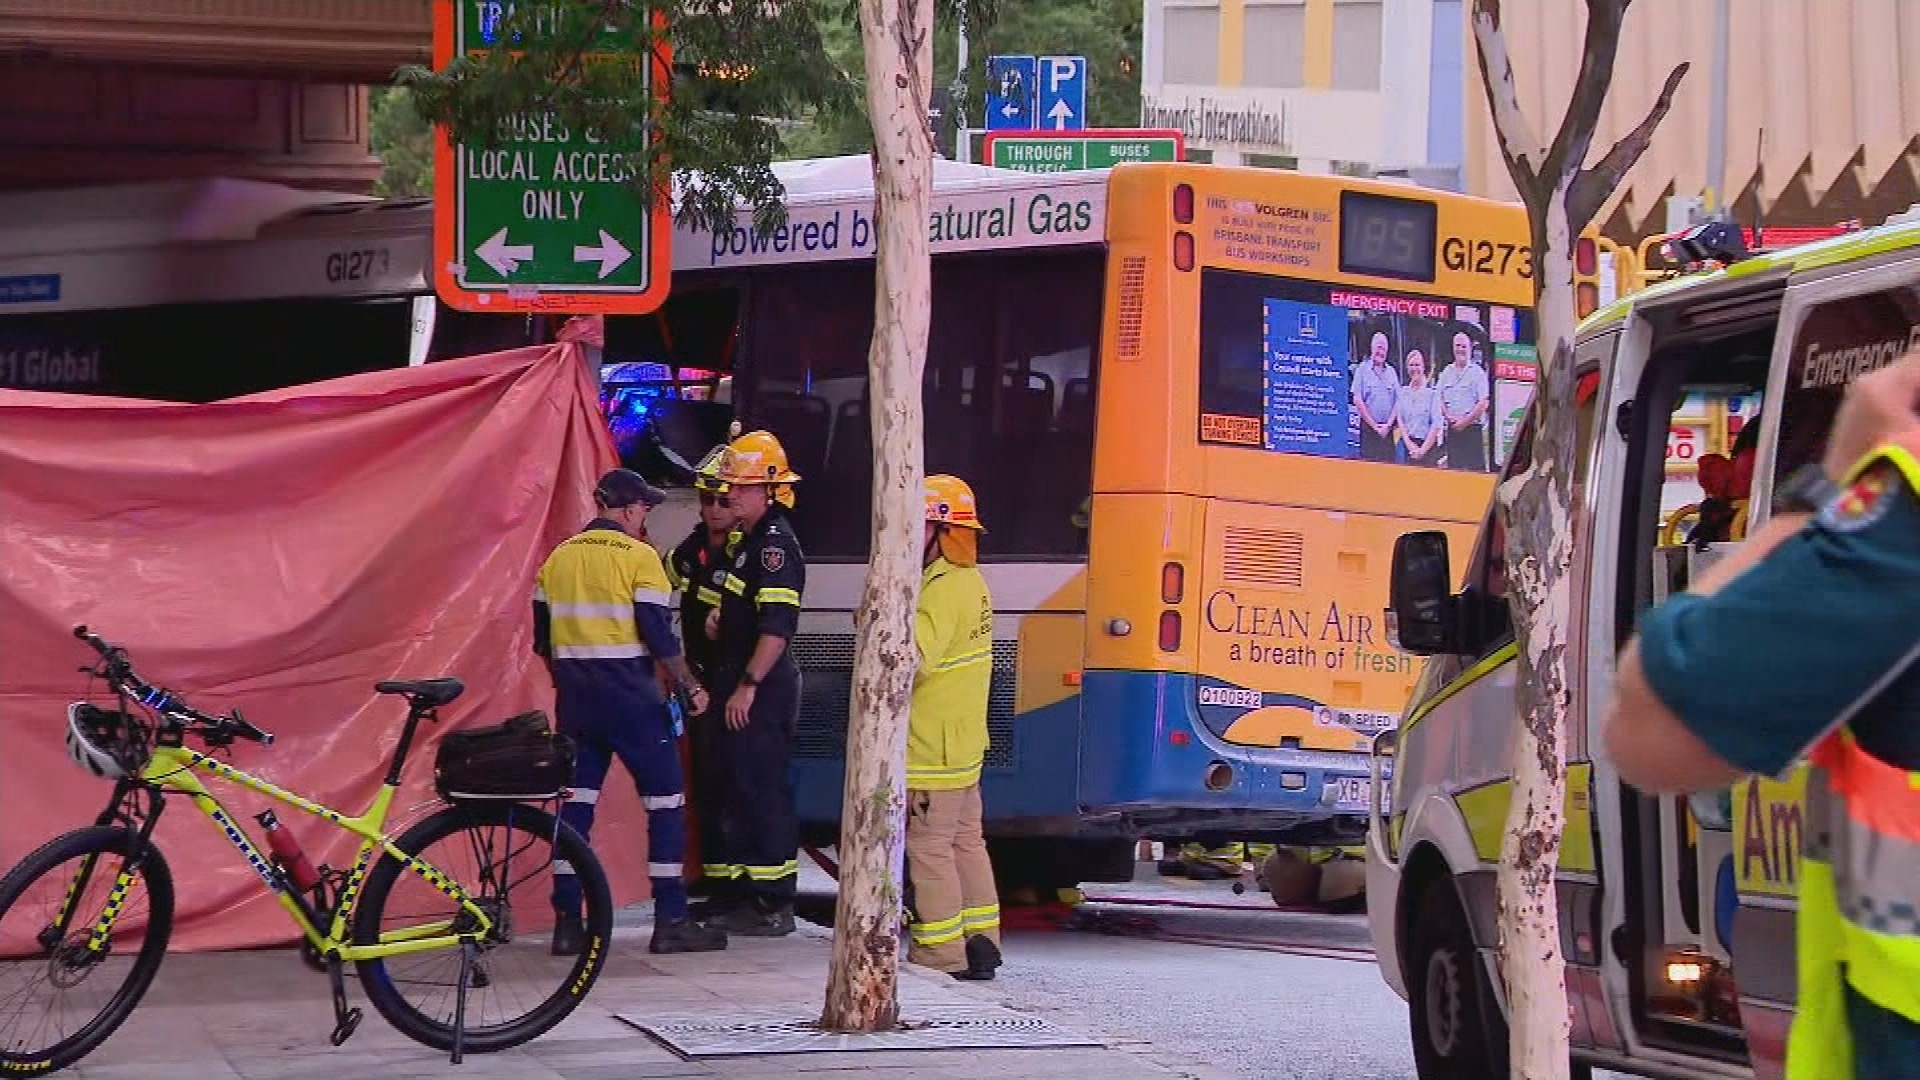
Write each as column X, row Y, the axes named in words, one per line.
column 1458, row 1033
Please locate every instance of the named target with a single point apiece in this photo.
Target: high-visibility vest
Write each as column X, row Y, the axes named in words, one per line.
column 591, row 585
column 947, row 725
column 1859, row 920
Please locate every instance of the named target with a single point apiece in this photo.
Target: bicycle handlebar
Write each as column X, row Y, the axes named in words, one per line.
column 118, row 670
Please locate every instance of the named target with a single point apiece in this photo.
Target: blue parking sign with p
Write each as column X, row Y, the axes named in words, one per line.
column 1062, row 105
column 1013, row 89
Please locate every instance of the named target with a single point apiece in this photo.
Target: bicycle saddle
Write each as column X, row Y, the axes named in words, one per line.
column 430, row 692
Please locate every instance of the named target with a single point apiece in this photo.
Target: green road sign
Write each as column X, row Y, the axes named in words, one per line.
column 1068, row 151
column 547, row 218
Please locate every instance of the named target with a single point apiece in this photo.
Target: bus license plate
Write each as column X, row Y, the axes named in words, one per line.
column 1353, row 792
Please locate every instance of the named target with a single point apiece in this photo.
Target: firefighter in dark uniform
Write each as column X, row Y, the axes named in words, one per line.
column 600, row 621
column 690, row 569
column 757, row 684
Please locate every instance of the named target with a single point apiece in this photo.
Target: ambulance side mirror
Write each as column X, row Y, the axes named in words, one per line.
column 1422, row 617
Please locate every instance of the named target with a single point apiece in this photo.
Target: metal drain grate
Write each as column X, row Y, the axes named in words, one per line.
column 778, row 1031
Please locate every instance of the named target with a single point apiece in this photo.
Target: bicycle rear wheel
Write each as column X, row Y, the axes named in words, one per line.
column 502, row 854
column 91, row 993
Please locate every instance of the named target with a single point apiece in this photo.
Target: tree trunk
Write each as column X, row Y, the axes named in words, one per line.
column 1562, row 194
column 1538, row 506
column 863, row 983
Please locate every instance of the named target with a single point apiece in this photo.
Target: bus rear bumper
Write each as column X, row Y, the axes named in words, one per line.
column 1145, row 753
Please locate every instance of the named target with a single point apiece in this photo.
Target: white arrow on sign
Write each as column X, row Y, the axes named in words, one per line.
column 505, row 258
column 1010, row 110
column 611, row 254
column 1060, row 114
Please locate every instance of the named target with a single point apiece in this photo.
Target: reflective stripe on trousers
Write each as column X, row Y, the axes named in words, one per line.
column 954, row 895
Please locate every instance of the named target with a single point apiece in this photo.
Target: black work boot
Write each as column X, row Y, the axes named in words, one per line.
column 750, row 921
column 983, row 958
column 569, row 935
column 686, row 935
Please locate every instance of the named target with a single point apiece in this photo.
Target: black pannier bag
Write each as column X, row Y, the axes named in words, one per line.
column 522, row 759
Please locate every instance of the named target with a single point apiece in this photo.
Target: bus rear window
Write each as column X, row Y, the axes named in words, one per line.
column 1298, row 367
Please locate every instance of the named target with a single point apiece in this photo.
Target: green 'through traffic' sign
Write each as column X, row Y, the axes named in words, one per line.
column 1090, row 148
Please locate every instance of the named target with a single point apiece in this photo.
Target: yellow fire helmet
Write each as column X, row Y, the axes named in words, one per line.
column 950, row 502
column 706, row 475
column 756, row 458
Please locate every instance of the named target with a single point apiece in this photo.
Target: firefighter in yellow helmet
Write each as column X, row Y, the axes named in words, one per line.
column 757, row 684
column 955, row 924
column 690, row 569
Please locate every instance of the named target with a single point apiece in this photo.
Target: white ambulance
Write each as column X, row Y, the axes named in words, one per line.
column 1676, row 914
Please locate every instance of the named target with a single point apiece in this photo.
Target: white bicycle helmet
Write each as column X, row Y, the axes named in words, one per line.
column 86, row 726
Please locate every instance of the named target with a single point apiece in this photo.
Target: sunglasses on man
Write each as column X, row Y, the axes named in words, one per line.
column 721, row 501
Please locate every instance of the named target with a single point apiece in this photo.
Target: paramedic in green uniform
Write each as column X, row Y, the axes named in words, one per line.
column 1805, row 639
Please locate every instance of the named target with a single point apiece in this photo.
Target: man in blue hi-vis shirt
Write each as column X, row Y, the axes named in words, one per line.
column 601, row 620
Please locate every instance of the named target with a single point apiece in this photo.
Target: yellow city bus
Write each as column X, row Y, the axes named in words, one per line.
column 1242, row 526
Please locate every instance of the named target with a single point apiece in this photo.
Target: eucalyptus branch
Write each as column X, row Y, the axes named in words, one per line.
column 1596, row 184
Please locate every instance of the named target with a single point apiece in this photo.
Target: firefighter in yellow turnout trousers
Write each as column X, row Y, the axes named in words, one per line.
column 1804, row 641
column 955, row 924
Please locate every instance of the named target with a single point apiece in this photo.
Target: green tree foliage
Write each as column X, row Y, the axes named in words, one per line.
column 740, row 68
column 753, row 82
column 403, row 142
column 1106, row 32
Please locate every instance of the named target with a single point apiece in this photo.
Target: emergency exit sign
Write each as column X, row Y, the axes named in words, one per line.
column 1089, row 148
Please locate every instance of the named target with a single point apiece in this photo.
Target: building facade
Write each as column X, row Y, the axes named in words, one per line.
column 1822, row 114
column 121, row 91
column 1359, row 85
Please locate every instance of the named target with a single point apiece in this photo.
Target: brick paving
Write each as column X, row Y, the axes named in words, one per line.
column 264, row 1016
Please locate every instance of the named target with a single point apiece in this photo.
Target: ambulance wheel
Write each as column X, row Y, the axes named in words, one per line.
column 1458, row 1032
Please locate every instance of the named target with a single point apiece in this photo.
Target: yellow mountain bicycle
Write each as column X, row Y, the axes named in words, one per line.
column 434, row 941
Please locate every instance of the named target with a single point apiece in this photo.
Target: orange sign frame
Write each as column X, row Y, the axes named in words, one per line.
column 534, row 297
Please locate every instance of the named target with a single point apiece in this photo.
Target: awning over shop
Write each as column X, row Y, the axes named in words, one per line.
column 317, row 39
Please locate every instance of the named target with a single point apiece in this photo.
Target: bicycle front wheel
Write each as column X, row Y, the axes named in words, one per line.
column 60, row 996
column 502, row 854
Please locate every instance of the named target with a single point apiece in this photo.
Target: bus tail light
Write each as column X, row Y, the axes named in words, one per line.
column 1169, row 631
column 1183, row 204
column 1173, row 583
column 1183, row 251
column 1586, row 277
column 1586, row 300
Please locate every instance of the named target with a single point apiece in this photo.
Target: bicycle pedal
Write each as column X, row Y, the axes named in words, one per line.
column 349, row 1023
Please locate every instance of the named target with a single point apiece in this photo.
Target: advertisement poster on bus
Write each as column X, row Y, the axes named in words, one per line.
column 1298, row 367
column 1294, row 653
column 1515, row 369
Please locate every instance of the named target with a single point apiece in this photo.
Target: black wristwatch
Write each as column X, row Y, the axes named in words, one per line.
column 747, row 679
column 1807, row 490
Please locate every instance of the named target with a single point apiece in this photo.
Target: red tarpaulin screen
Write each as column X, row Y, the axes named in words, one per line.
column 281, row 553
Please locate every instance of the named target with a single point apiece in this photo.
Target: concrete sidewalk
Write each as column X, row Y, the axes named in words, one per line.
column 265, row 1016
